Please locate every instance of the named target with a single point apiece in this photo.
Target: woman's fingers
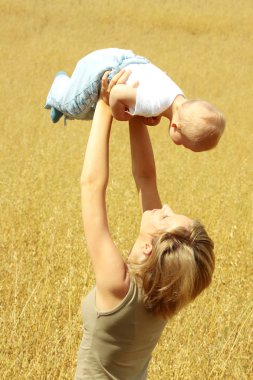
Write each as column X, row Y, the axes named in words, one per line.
column 105, row 80
column 120, row 78
column 104, row 93
column 124, row 76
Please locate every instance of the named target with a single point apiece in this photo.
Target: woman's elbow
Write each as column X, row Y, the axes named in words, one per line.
column 92, row 183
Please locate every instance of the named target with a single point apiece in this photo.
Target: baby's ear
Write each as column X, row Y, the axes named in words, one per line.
column 176, row 133
column 176, row 126
column 178, row 136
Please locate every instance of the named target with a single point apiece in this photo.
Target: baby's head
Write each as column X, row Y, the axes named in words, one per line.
column 197, row 124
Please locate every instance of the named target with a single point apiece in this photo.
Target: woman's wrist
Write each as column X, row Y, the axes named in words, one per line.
column 106, row 108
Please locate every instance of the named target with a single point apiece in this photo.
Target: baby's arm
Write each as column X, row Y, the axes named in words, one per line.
column 121, row 98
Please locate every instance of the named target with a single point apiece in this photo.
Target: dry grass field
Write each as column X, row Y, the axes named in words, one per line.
column 206, row 47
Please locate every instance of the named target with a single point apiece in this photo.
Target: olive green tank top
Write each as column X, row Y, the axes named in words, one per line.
column 117, row 344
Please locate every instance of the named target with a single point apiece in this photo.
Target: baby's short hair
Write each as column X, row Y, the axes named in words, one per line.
column 202, row 123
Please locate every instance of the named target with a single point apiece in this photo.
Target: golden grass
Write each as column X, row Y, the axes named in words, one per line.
column 207, row 48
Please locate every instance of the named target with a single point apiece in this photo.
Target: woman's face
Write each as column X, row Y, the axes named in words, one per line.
column 155, row 222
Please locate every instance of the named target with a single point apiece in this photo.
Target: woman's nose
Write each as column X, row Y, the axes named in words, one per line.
column 167, row 210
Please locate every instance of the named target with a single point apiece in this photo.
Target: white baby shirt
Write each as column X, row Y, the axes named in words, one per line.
column 156, row 90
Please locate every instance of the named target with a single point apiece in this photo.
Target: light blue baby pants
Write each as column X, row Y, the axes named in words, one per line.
column 76, row 97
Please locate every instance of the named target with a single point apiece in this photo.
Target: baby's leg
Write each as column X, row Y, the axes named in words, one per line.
column 74, row 96
column 58, row 89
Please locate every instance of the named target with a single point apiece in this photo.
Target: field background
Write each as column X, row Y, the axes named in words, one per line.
column 206, row 47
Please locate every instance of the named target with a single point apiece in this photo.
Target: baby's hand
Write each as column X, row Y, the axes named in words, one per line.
column 152, row 121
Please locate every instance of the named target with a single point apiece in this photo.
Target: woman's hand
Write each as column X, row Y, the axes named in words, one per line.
column 120, row 78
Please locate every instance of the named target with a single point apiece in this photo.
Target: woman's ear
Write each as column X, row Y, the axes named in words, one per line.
column 147, row 249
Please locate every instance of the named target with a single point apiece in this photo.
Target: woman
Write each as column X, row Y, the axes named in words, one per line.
column 170, row 263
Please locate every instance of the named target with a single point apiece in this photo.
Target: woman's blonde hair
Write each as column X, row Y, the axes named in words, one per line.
column 178, row 270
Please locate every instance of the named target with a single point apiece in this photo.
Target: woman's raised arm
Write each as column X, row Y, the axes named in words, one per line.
column 112, row 280
column 143, row 165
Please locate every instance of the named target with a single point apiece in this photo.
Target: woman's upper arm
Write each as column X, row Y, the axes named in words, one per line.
column 109, row 267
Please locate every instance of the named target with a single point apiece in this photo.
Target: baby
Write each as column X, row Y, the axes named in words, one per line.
column 195, row 124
